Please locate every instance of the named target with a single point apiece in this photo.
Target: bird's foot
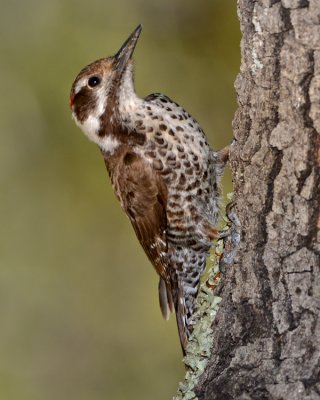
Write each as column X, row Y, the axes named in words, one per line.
column 231, row 237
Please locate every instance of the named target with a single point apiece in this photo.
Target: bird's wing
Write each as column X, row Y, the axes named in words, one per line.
column 164, row 102
column 143, row 196
column 178, row 113
column 159, row 99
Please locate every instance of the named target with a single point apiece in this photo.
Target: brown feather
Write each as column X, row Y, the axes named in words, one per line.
column 143, row 196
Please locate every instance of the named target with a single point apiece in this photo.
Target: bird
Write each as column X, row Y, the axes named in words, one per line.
column 163, row 172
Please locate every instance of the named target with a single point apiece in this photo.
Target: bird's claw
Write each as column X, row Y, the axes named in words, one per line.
column 230, row 236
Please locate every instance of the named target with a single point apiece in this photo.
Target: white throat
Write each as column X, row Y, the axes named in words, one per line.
column 91, row 127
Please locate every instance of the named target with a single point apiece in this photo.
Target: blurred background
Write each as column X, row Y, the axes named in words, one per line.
column 78, row 299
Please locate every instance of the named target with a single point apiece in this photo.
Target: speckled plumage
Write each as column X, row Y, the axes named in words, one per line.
column 163, row 172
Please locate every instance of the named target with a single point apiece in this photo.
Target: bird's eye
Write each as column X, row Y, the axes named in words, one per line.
column 94, row 81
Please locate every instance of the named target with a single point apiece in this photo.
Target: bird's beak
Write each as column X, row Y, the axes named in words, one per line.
column 125, row 53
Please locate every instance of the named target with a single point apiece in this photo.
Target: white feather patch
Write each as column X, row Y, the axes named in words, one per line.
column 80, row 84
column 90, row 127
column 109, row 144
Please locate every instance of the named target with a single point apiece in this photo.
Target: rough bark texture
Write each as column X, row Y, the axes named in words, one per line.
column 267, row 331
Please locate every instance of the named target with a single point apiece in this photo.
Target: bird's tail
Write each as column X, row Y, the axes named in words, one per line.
column 188, row 282
column 183, row 328
column 165, row 299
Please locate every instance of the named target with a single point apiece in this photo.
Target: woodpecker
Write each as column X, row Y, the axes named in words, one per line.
column 163, row 172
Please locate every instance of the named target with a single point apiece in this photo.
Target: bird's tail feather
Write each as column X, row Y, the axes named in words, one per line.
column 188, row 282
column 165, row 299
column 183, row 330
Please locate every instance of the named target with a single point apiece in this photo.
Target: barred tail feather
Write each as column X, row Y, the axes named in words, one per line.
column 187, row 283
column 184, row 333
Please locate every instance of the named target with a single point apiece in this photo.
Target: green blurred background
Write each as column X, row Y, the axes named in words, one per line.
column 78, row 299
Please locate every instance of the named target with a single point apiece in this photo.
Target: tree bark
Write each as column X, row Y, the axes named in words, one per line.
column 267, row 331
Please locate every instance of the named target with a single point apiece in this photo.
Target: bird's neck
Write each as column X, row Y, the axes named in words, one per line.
column 129, row 104
column 121, row 118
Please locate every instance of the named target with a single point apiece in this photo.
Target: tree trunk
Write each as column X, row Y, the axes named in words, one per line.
column 267, row 331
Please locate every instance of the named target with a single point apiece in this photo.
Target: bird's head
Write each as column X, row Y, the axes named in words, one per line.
column 98, row 88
